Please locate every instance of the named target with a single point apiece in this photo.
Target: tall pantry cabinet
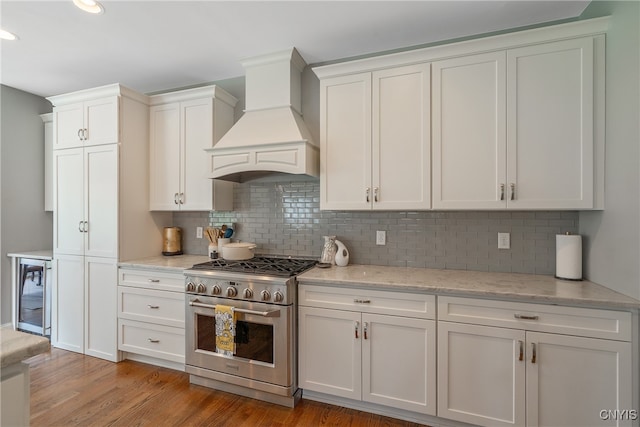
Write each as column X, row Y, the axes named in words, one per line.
column 101, row 216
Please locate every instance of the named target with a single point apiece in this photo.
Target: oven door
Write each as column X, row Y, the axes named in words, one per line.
column 264, row 340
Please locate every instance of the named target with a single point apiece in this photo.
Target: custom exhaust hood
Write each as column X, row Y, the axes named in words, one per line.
column 270, row 137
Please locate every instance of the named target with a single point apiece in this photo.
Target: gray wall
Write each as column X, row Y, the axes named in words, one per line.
column 24, row 225
column 284, row 218
column 612, row 237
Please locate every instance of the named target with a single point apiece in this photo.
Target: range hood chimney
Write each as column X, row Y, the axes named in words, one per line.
column 271, row 136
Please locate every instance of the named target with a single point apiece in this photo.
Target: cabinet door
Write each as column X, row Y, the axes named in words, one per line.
column 101, row 200
column 165, row 154
column 101, row 308
column 550, row 131
column 401, row 150
column 67, row 311
column 574, row 378
column 196, row 135
column 469, row 132
column 68, row 214
column 345, row 143
column 330, row 351
column 101, row 121
column 481, row 374
column 68, row 122
column 399, row 362
column 48, row 161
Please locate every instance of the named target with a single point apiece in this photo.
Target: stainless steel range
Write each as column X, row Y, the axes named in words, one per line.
column 263, row 294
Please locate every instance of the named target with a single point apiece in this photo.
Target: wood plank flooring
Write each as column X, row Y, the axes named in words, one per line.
column 69, row 389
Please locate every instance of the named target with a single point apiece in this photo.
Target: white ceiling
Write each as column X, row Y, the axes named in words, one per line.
column 158, row 45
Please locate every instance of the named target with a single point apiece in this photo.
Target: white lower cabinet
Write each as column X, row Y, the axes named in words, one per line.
column 373, row 346
column 85, row 301
column 517, row 375
column 151, row 315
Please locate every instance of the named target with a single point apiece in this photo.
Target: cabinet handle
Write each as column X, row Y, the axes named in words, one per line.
column 366, row 328
column 153, row 340
column 362, row 301
column 85, row 227
column 175, row 198
column 501, row 192
column 524, row 317
column 80, row 134
column 533, row 352
column 357, row 324
column 367, row 194
column 153, row 307
column 375, row 194
column 182, row 198
column 85, row 133
column 513, row 191
column 521, row 355
column 154, row 280
column 80, row 227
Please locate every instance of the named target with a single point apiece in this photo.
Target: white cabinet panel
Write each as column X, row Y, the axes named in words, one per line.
column 68, row 303
column 550, row 134
column 345, row 142
column 330, row 352
column 469, row 132
column 101, row 280
column 68, row 215
column 161, row 342
column 398, row 362
column 92, row 122
column 165, row 156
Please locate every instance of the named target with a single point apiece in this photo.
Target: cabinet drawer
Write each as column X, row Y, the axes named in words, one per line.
column 163, row 342
column 145, row 305
column 420, row 306
column 585, row 322
column 151, row 279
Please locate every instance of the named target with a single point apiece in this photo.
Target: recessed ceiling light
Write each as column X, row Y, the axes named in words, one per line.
column 90, row 6
column 6, row 35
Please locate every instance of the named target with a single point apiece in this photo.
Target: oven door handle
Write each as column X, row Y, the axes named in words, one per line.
column 272, row 313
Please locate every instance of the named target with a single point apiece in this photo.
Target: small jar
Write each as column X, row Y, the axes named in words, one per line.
column 213, row 251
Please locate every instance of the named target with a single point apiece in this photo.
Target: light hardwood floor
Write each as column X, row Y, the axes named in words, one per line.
column 69, row 389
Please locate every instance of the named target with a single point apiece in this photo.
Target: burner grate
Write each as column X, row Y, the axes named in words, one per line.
column 281, row 267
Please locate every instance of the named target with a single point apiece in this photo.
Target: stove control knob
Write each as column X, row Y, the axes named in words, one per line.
column 201, row 288
column 216, row 290
column 278, row 297
column 231, row 291
column 265, row 295
column 191, row 287
column 247, row 293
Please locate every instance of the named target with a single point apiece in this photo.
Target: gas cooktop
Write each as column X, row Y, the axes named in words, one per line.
column 273, row 266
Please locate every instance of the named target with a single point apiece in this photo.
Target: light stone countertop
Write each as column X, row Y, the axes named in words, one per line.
column 511, row 286
column 46, row 255
column 175, row 263
column 15, row 346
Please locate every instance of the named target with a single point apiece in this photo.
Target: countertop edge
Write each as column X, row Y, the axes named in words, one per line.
column 16, row 346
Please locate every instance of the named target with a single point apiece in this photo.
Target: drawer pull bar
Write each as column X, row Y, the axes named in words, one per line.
column 357, row 327
column 362, row 301
column 524, row 317
column 154, row 280
column 153, row 306
column 153, row 340
column 533, row 352
column 521, row 356
column 272, row 313
column 366, row 328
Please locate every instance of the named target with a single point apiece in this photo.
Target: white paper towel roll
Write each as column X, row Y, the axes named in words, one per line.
column 569, row 256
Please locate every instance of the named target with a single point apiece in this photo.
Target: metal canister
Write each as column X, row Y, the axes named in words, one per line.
column 172, row 241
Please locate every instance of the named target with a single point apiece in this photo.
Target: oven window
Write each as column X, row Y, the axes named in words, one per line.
column 254, row 341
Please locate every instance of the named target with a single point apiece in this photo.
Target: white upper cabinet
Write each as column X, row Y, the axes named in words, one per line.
column 550, row 125
column 514, row 121
column 469, row 132
column 182, row 125
column 374, row 140
column 85, row 123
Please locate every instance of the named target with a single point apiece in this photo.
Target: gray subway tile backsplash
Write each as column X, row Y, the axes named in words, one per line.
column 284, row 218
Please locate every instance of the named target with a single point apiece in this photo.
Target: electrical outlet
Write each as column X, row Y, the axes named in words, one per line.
column 381, row 237
column 199, row 232
column 504, row 240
